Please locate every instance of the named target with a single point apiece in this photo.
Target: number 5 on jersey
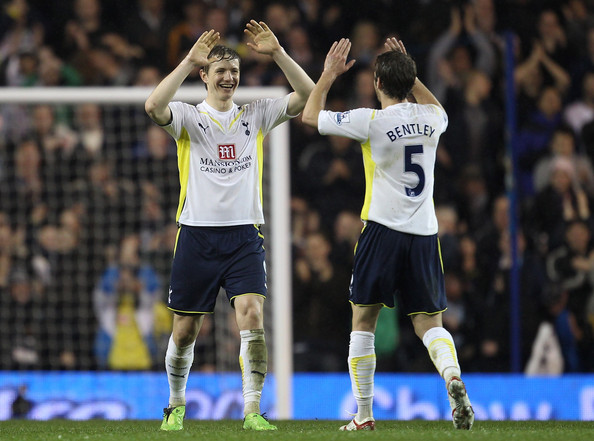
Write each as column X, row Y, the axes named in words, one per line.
column 412, row 167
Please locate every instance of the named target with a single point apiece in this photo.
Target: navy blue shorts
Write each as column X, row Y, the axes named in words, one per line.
column 389, row 263
column 208, row 258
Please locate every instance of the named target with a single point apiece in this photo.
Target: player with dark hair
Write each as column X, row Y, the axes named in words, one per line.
column 219, row 242
column 398, row 250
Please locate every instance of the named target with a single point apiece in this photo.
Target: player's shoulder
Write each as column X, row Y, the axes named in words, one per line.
column 183, row 108
column 415, row 110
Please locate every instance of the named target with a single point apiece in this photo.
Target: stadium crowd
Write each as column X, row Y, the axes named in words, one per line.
column 88, row 193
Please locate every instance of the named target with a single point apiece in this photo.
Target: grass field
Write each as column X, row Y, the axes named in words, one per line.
column 136, row 430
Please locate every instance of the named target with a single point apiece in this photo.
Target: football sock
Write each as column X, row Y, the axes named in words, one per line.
column 441, row 348
column 253, row 360
column 178, row 362
column 361, row 370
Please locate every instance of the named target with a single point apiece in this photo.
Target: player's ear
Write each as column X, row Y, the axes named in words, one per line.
column 378, row 83
column 203, row 75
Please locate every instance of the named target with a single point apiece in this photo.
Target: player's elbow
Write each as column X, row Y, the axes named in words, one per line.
column 150, row 107
column 310, row 118
column 161, row 115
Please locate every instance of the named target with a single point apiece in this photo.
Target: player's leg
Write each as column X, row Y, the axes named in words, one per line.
column 362, row 362
column 424, row 299
column 245, row 285
column 193, row 289
column 253, row 358
column 442, row 350
column 373, row 283
column 178, row 362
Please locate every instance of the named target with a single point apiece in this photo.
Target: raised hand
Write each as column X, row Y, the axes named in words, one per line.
column 198, row 55
column 336, row 58
column 393, row 44
column 264, row 40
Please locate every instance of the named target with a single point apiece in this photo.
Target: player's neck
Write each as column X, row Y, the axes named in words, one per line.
column 218, row 104
column 386, row 101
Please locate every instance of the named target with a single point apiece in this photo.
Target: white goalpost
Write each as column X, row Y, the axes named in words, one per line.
column 277, row 169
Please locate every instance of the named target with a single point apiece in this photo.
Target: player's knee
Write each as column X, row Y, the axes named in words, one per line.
column 249, row 316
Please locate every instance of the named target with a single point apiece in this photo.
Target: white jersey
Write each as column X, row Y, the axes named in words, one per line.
column 220, row 158
column 399, row 144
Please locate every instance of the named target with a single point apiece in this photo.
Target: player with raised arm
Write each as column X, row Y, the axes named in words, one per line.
column 219, row 242
column 398, row 250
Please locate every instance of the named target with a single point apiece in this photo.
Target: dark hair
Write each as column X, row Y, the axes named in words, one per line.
column 220, row 52
column 396, row 72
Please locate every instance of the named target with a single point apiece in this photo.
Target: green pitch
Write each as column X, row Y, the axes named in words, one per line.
column 146, row 430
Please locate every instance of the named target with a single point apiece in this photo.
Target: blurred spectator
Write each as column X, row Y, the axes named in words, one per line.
column 52, row 71
column 571, row 265
column 299, row 47
column 530, row 80
column 305, row 221
column 578, row 20
column 488, row 238
column 475, row 129
column 320, row 293
column 21, row 34
column 20, row 70
column 553, row 38
column 21, row 406
column 365, row 39
column 333, row 176
column 363, row 91
column 83, row 30
column 22, row 306
column 110, row 212
column 584, row 63
column 156, row 169
column 58, row 151
column 185, row 33
column 457, row 52
column 563, row 144
column 494, row 330
column 27, row 203
column 460, row 319
column 147, row 76
column 106, row 68
column 124, row 303
column 473, row 199
column 347, row 229
column 89, row 126
column 447, row 219
column 534, row 136
column 148, row 27
column 581, row 111
column 562, row 200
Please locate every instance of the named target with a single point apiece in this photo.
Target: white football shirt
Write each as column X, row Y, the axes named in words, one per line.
column 399, row 144
column 220, row 159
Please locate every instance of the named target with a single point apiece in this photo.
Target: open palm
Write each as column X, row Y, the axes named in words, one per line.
column 198, row 55
column 263, row 39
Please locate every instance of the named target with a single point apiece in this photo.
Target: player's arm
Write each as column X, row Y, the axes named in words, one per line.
column 419, row 90
column 157, row 104
column 265, row 42
column 334, row 66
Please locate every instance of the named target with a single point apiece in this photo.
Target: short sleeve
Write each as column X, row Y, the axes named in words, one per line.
column 273, row 111
column 178, row 112
column 352, row 124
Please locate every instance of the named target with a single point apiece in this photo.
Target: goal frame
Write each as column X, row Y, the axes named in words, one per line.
column 279, row 245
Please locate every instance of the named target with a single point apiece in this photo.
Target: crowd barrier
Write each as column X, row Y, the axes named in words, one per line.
column 142, row 395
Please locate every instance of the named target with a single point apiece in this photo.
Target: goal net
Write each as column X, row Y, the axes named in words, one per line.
column 88, row 194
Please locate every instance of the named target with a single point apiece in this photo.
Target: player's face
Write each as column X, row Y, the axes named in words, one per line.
column 222, row 78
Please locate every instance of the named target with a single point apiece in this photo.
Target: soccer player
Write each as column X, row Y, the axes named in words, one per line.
column 398, row 250
column 219, row 242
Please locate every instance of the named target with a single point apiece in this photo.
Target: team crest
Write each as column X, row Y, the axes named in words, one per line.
column 226, row 152
column 343, row 117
